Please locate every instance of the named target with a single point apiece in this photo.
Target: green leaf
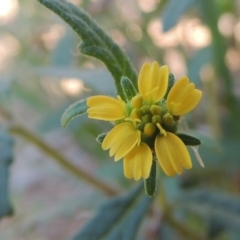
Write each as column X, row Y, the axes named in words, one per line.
column 189, row 140
column 197, row 61
column 6, row 158
column 220, row 208
column 74, row 110
column 101, row 137
column 118, row 219
column 95, row 42
column 128, row 88
column 151, row 182
column 171, row 81
column 173, row 12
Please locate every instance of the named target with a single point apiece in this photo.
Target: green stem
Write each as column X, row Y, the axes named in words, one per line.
column 65, row 163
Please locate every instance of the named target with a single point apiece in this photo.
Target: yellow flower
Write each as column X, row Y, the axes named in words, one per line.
column 121, row 140
column 153, row 82
column 172, row 154
column 145, row 126
column 137, row 163
column 183, row 97
column 106, row 108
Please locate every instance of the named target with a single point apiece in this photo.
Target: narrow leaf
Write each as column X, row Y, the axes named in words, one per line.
column 151, row 182
column 74, row 110
column 6, row 158
column 189, row 140
column 95, row 42
column 171, row 81
column 118, row 219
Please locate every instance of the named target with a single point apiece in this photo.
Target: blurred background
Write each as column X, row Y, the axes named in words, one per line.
column 42, row 73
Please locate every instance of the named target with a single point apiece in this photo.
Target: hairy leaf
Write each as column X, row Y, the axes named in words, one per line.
column 95, row 42
column 74, row 110
column 118, row 219
column 128, row 88
column 6, row 158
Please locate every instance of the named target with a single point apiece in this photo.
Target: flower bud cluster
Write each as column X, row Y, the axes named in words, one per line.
column 150, row 116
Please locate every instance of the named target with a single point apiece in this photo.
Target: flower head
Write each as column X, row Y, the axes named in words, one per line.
column 146, row 125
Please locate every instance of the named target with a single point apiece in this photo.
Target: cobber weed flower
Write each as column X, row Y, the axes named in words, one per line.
column 145, row 124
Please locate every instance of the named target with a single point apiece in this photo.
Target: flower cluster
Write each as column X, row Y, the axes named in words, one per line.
column 145, row 126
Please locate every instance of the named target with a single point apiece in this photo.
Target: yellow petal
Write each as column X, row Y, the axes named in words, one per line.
column 172, row 154
column 183, row 97
column 137, row 163
column 106, row 108
column 121, row 139
column 153, row 82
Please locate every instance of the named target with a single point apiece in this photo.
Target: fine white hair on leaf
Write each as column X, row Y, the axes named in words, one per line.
column 195, row 150
column 183, row 126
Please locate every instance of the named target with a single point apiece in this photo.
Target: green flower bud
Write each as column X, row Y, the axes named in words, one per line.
column 137, row 101
column 168, row 120
column 149, row 129
column 156, row 110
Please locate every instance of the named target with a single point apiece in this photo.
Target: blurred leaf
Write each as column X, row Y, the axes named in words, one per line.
column 62, row 54
column 103, row 85
column 226, row 5
column 6, row 158
column 221, row 211
column 74, row 110
column 118, row 219
column 211, row 15
column 173, row 12
column 96, row 42
column 200, row 58
column 28, row 94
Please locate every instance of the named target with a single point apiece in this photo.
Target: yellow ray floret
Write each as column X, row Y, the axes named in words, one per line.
column 172, row 154
column 153, row 82
column 183, row 97
column 121, row 140
column 106, row 108
column 137, row 163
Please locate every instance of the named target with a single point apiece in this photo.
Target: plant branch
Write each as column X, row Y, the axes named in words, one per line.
column 64, row 162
